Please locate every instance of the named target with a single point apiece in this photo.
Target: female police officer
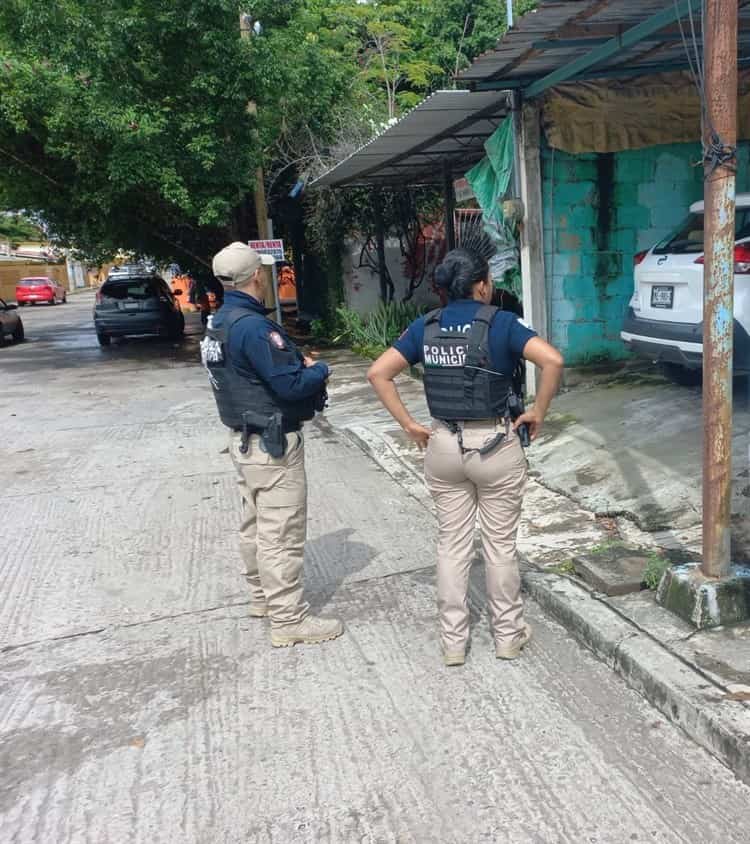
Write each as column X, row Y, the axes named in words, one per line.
column 474, row 464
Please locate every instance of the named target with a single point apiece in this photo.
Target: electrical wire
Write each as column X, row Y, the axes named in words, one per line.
column 716, row 153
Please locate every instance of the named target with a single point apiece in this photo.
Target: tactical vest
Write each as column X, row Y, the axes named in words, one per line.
column 458, row 378
column 239, row 389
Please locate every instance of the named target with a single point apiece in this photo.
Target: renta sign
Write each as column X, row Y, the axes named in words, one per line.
column 268, row 247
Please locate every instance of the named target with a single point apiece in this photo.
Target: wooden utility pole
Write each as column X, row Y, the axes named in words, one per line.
column 527, row 127
column 259, row 193
column 720, row 94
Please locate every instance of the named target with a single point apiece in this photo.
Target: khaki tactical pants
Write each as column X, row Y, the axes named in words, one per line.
column 464, row 486
column 274, row 523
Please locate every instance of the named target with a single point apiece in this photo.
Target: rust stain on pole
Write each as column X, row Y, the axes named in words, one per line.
column 720, row 34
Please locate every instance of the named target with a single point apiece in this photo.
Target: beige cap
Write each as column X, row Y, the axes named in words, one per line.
column 237, row 262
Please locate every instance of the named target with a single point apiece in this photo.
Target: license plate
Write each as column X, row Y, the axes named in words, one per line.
column 662, row 296
column 134, row 306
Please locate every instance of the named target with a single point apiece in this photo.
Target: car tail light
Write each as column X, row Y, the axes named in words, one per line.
column 639, row 256
column 741, row 259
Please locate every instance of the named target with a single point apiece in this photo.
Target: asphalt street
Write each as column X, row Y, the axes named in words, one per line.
column 140, row 703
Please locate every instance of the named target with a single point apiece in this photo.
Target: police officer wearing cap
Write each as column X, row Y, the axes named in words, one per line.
column 474, row 464
column 265, row 389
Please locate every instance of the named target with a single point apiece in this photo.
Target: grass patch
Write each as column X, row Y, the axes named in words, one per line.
column 606, row 547
column 565, row 567
column 655, row 568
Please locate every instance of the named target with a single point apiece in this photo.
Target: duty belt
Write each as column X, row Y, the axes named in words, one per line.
column 287, row 428
column 457, row 429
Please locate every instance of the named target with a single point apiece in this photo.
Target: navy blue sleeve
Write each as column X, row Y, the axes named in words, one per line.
column 281, row 368
column 409, row 344
column 518, row 336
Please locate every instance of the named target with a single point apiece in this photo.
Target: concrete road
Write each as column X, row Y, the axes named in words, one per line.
column 139, row 703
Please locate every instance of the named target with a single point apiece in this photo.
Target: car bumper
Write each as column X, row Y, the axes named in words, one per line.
column 677, row 342
column 130, row 325
column 34, row 297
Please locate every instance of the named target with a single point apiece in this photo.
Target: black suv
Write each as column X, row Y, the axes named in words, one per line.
column 136, row 301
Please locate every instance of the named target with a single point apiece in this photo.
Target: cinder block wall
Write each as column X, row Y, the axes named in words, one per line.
column 599, row 210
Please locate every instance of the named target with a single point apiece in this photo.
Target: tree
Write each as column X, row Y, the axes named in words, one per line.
column 126, row 124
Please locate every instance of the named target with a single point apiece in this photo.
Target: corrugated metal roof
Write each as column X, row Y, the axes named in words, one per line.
column 557, row 33
column 448, row 126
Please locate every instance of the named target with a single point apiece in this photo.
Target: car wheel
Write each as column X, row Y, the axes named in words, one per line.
column 53, row 301
column 65, row 298
column 682, row 375
column 18, row 333
column 104, row 339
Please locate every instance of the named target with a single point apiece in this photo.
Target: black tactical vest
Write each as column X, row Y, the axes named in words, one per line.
column 239, row 389
column 458, row 378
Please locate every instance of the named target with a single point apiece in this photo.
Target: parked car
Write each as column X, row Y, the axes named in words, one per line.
column 664, row 320
column 40, row 289
column 10, row 323
column 136, row 303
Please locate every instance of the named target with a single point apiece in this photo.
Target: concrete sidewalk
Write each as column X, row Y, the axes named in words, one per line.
column 700, row 680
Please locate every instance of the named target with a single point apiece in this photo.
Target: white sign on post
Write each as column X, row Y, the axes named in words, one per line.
column 275, row 248
column 269, row 247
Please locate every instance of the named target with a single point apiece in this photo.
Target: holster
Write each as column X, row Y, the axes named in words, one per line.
column 270, row 430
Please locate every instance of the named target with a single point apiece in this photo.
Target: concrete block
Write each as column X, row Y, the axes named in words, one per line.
column 569, row 241
column 570, row 194
column 567, row 264
column 602, row 266
column 626, row 194
column 562, row 310
column 615, row 570
column 673, row 166
column 577, row 288
column 575, row 170
column 624, row 240
column 706, row 602
column 633, row 167
column 637, row 217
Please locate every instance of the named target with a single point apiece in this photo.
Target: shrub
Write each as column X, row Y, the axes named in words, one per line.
column 370, row 336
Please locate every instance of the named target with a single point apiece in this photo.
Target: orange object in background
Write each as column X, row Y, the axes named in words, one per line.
column 287, row 285
column 182, row 283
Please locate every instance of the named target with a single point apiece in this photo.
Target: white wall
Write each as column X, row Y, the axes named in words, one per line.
column 362, row 285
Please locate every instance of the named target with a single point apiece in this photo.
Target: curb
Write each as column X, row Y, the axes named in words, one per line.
column 687, row 697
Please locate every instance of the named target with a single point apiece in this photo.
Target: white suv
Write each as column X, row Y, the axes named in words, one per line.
column 664, row 318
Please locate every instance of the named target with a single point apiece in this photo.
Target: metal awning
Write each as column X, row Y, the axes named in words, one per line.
column 584, row 39
column 448, row 128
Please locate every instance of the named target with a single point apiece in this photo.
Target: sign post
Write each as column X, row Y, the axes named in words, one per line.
column 275, row 248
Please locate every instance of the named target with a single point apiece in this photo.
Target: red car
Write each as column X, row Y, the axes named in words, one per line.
column 40, row 289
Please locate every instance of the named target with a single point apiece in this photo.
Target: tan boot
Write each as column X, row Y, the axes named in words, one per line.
column 310, row 631
column 512, row 649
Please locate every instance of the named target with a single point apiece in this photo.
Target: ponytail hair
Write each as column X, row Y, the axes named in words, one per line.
column 459, row 271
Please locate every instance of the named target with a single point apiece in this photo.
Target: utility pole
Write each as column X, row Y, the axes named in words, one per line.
column 259, row 194
column 720, row 94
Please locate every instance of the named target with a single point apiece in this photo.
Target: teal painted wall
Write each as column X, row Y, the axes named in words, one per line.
column 599, row 210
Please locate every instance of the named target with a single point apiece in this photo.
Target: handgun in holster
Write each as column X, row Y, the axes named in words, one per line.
column 321, row 400
column 271, row 432
column 516, row 409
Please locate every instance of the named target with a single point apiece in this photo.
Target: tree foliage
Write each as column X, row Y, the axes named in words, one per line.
column 125, row 123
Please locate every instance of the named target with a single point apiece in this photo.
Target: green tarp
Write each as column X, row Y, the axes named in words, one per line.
column 490, row 178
